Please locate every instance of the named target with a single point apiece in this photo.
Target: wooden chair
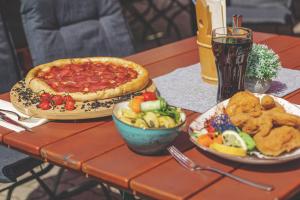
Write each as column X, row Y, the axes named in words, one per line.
column 75, row 28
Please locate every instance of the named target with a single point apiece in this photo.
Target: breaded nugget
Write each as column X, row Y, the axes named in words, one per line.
column 277, row 108
column 267, row 102
column 244, row 102
column 281, row 119
column 245, row 122
column 253, row 125
column 279, row 140
column 274, row 130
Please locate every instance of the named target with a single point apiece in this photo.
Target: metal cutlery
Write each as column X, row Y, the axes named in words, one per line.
column 11, row 121
column 20, row 118
column 191, row 165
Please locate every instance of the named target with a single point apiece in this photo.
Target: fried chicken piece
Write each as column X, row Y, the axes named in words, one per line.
column 244, row 102
column 279, row 140
column 280, row 119
column 267, row 102
column 265, row 124
column 278, row 108
column 245, row 122
column 262, row 124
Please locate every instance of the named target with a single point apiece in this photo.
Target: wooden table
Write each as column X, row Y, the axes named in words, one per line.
column 95, row 148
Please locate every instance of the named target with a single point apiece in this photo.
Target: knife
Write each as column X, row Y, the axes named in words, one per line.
column 11, row 121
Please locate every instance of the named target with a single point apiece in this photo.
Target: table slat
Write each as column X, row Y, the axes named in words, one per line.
column 47, row 134
column 281, row 43
column 161, row 53
column 73, row 151
column 129, row 164
column 172, row 181
column 284, row 178
column 290, row 58
column 259, row 36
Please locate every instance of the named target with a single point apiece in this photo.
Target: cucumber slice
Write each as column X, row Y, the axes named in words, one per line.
column 248, row 140
column 150, row 105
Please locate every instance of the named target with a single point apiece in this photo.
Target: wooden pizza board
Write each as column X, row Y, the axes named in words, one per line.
column 25, row 101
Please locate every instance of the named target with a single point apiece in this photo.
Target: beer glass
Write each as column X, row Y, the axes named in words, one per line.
column 231, row 47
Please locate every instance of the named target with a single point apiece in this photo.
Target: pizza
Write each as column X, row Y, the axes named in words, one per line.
column 88, row 79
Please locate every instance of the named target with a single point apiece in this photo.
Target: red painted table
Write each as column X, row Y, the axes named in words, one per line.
column 95, row 148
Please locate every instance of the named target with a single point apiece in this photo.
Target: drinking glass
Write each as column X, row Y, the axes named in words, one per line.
column 231, row 47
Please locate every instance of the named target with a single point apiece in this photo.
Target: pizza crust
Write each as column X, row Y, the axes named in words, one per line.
column 38, row 85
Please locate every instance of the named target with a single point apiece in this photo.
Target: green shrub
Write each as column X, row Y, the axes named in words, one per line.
column 263, row 63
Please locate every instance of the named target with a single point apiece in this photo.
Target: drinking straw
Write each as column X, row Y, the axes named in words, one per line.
column 234, row 23
column 239, row 20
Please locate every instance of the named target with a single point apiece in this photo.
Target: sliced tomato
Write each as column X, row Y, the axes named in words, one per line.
column 68, row 98
column 149, row 96
column 57, row 100
column 45, row 97
column 70, row 105
column 44, row 105
column 210, row 129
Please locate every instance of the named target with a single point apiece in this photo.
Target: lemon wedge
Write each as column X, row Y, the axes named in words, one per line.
column 235, row 151
column 233, row 139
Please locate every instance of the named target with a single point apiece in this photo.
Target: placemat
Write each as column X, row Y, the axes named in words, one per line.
column 184, row 87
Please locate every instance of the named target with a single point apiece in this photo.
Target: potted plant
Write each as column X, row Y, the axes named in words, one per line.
column 263, row 65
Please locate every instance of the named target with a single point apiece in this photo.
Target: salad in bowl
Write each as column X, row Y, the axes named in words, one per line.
column 147, row 123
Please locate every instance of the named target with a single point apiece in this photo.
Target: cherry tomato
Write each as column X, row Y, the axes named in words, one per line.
column 45, row 97
column 57, row 100
column 149, row 96
column 211, row 134
column 70, row 105
column 210, row 129
column 68, row 98
column 44, row 105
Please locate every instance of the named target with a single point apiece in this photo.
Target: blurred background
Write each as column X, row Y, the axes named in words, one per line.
column 154, row 22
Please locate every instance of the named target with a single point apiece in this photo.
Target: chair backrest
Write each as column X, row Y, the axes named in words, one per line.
column 75, row 28
column 260, row 3
column 9, row 70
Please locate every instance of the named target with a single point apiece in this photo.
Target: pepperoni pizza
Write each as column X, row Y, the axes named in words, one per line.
column 87, row 79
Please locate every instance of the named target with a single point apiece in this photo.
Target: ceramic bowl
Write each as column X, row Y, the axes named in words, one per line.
column 146, row 141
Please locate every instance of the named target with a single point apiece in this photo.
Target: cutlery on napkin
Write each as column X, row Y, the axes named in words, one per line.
column 30, row 123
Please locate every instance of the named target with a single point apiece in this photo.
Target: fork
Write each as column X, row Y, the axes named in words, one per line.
column 192, row 166
column 20, row 118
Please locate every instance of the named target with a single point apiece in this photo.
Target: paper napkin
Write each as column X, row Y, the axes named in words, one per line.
column 32, row 122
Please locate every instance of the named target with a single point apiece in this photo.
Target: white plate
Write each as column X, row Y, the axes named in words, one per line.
column 258, row 158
